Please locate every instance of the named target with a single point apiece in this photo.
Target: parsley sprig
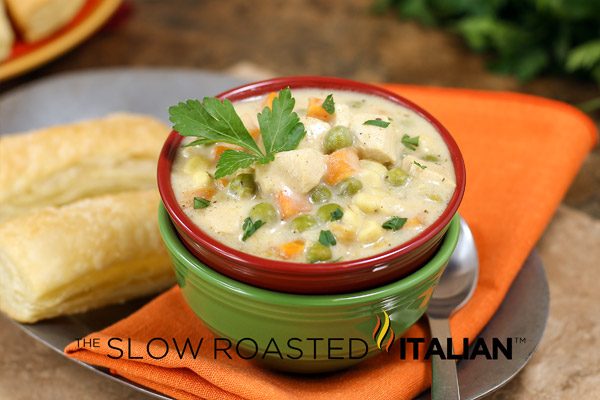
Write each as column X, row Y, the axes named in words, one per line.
column 377, row 122
column 329, row 104
column 201, row 202
column 250, row 227
column 410, row 142
column 326, row 238
column 212, row 120
column 394, row 223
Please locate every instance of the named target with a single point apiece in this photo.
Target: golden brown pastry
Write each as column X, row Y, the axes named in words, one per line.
column 38, row 19
column 6, row 34
column 61, row 164
column 64, row 260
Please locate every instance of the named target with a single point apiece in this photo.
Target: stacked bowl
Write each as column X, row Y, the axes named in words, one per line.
column 304, row 317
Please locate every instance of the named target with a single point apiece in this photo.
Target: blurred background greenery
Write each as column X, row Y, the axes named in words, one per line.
column 524, row 38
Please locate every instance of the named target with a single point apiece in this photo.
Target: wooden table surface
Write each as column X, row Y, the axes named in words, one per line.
column 341, row 38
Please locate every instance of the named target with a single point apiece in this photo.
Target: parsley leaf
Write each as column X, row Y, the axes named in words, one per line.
column 394, row 223
column 329, row 105
column 215, row 121
column 326, row 238
column 337, row 214
column 410, row 142
column 201, row 202
column 232, row 160
column 280, row 126
column 250, row 227
column 420, row 165
column 377, row 122
column 212, row 120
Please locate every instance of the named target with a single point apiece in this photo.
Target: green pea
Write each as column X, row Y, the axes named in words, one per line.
column 303, row 222
column 330, row 212
column 349, row 186
column 242, row 186
column 319, row 194
column 337, row 138
column 397, row 176
column 264, row 212
column 317, row 252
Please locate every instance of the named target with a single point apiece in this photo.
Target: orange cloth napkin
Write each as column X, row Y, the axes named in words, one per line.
column 521, row 153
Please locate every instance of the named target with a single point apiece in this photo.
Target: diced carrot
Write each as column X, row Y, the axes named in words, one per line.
column 291, row 249
column 316, row 110
column 269, row 99
column 255, row 133
column 222, row 183
column 290, row 204
column 207, row 192
column 412, row 222
column 343, row 232
column 341, row 164
column 218, row 150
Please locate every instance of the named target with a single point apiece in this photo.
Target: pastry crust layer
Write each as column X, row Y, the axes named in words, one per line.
column 58, row 165
column 6, row 34
column 64, row 260
column 37, row 19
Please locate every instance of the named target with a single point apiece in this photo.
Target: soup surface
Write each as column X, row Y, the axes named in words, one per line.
column 367, row 176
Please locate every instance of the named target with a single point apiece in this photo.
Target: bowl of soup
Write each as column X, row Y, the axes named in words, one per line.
column 334, row 185
column 303, row 333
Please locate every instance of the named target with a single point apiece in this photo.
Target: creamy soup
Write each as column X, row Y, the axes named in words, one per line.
column 367, row 176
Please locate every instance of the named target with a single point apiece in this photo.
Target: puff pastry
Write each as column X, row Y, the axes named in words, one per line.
column 61, row 164
column 37, row 19
column 63, row 260
column 6, row 34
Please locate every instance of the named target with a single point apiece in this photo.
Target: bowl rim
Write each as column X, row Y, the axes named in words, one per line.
column 266, row 265
column 183, row 255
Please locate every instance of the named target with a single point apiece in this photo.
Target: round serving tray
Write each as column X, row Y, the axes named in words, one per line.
column 27, row 56
column 77, row 96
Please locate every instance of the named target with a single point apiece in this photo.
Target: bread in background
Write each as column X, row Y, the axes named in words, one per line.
column 38, row 19
column 61, row 164
column 7, row 37
column 64, row 260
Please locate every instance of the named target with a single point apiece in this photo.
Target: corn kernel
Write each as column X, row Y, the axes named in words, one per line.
column 201, row 179
column 370, row 232
column 373, row 166
column 194, row 164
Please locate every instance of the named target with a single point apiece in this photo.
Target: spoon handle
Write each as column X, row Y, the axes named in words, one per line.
column 444, row 385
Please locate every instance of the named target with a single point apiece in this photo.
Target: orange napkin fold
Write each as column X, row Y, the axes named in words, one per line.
column 521, row 154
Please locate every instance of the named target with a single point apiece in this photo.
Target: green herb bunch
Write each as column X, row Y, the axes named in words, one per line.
column 212, row 120
column 524, row 37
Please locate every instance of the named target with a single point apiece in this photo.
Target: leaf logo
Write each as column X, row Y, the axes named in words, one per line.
column 381, row 330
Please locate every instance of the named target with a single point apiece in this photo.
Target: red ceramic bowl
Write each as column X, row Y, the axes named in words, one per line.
column 339, row 277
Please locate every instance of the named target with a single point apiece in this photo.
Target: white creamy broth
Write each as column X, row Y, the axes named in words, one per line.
column 387, row 189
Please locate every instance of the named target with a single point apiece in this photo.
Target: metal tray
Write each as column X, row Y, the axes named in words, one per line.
column 76, row 96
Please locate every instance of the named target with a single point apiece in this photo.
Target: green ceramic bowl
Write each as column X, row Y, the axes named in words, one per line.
column 303, row 333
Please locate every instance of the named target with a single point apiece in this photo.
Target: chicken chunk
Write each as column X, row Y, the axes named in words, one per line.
column 343, row 115
column 224, row 217
column 432, row 180
column 373, row 142
column 430, row 146
column 315, row 130
column 299, row 170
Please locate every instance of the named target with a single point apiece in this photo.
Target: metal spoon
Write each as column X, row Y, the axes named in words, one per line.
column 455, row 288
